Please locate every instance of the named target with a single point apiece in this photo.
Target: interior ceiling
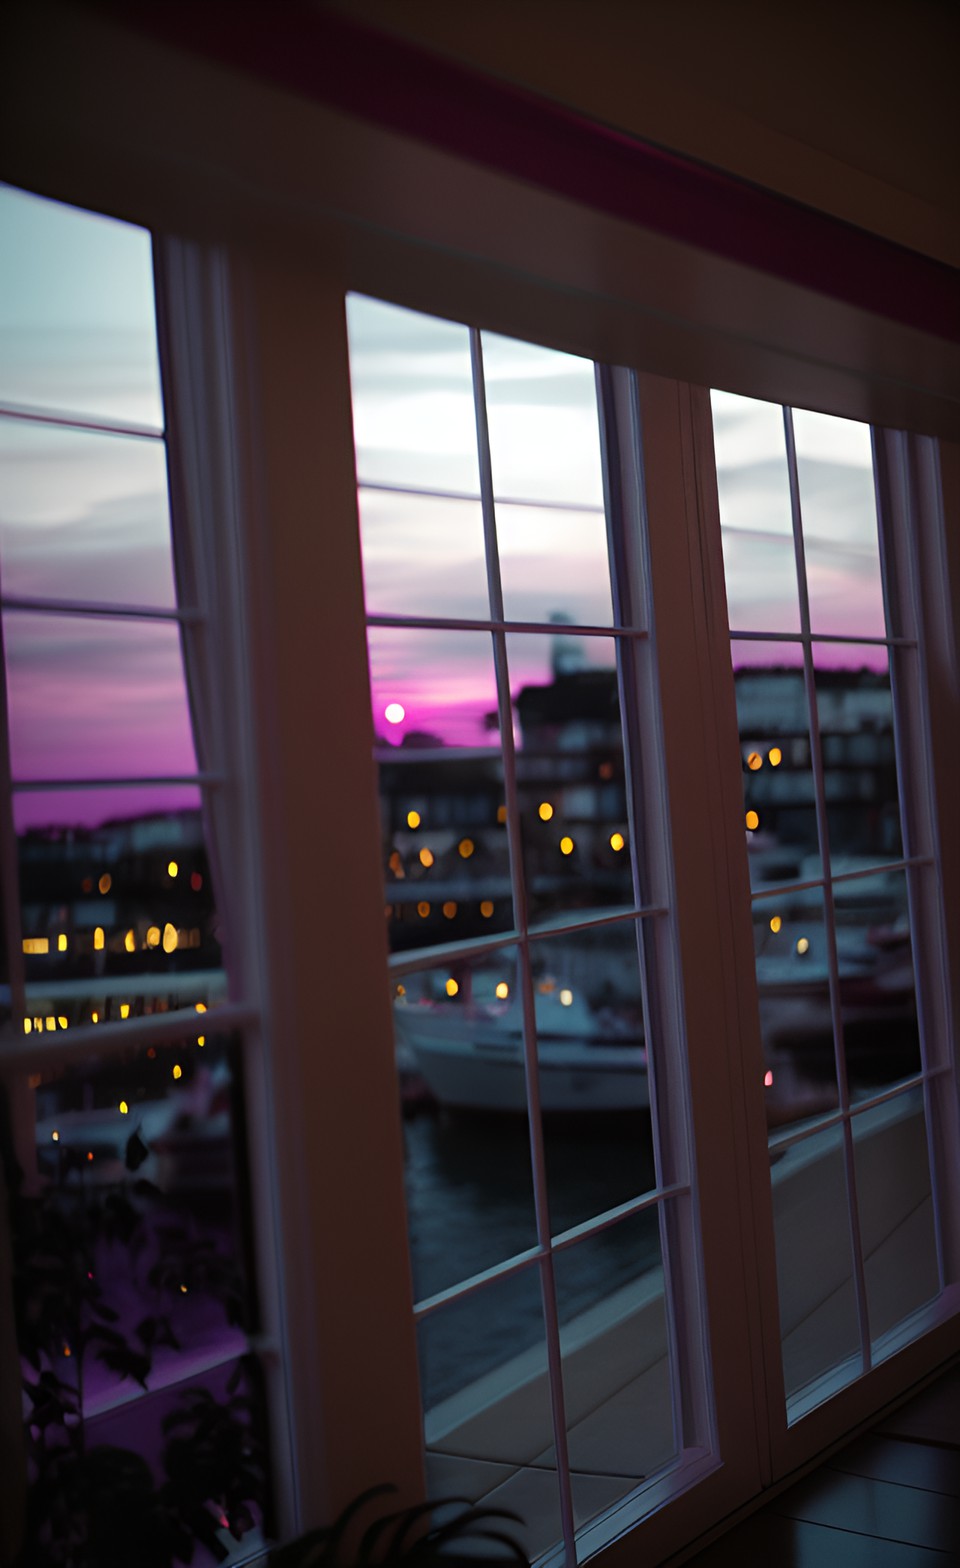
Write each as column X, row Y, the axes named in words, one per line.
column 842, row 90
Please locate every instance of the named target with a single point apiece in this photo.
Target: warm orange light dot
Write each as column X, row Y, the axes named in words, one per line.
column 89, row 1154
column 503, row 990
column 752, row 820
column 169, row 938
column 178, row 1071
column 401, row 990
column 754, row 761
column 153, row 936
column 413, row 819
column 130, row 942
column 423, row 909
column 775, row 924
column 606, row 770
column 774, row 756
column 486, row 909
column 466, row 847
column 55, row 1136
column 200, row 1007
column 94, row 1017
column 183, row 1290
column 426, row 857
column 566, row 845
column 450, row 909
column 151, row 1051
column 544, row 811
column 105, row 883
column 617, row 841
column 451, row 987
column 501, row 813
column 67, row 1351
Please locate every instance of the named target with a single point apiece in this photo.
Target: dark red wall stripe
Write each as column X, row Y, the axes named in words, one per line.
column 404, row 88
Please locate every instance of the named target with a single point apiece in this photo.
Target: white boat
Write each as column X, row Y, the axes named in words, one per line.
column 470, row 1054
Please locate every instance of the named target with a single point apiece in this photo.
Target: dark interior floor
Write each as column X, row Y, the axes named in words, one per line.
column 890, row 1500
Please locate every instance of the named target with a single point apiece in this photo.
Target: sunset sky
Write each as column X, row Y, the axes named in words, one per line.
column 83, row 515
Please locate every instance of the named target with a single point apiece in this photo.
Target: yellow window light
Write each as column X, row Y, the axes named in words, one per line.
column 566, row 845
column 50, row 1024
column 803, row 946
column 201, row 1040
column 124, row 1009
column 451, row 987
column 169, row 938
column 466, row 848
column 617, row 841
column 503, row 990
column 426, row 857
column 98, row 939
column 544, row 811
column 178, row 1070
column 62, row 943
column 36, row 944
column 123, row 1107
column 153, row 936
column 752, row 820
column 754, row 761
column 130, row 942
column 62, row 1021
column 27, row 1025
column 775, row 924
column 774, row 756
column 173, row 869
column 94, row 1017
column 200, row 1007
column 413, row 819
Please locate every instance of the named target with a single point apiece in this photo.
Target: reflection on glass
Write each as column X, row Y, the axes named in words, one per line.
column 755, row 514
column 780, row 816
column 877, row 985
column 839, row 509
column 446, row 861
column 84, row 516
column 616, row 1371
column 544, row 425
column 570, row 773
column 855, row 709
column 77, row 325
column 130, row 1251
column 554, row 565
column 423, row 555
column 896, row 1211
column 592, row 1069
column 116, row 904
column 818, row 1312
column 459, row 1046
column 796, row 1021
column 96, row 698
column 413, row 410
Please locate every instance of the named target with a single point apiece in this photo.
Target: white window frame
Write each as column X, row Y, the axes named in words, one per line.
column 289, row 241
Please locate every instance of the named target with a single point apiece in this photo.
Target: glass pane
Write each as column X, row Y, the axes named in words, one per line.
column 84, row 516
column 796, row 1021
column 459, row 1042
column 544, row 425
column 755, row 514
column 780, row 815
column 592, row 1069
column 131, row 1259
column 839, row 509
column 818, row 1311
column 423, row 555
column 116, row 904
column 553, row 565
column 877, row 986
column 96, row 698
column 855, row 708
column 896, row 1210
column 616, row 1369
column 570, row 773
column 413, row 412
column 77, row 325
column 443, row 813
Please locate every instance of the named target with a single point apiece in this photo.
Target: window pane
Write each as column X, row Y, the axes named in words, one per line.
column 855, row 708
column 877, row 986
column 570, row 773
column 132, row 1266
column 423, row 555
column 443, row 812
column 839, row 509
column 796, row 1019
column 116, row 904
column 780, row 815
column 554, row 565
column 755, row 514
column 592, row 1069
column 413, row 414
column 84, row 516
column 616, row 1370
column 96, row 698
column 544, row 426
column 77, row 326
column 896, row 1211
column 818, row 1310
column 459, row 1039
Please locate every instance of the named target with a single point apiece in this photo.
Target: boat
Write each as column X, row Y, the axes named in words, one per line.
column 470, row 1053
